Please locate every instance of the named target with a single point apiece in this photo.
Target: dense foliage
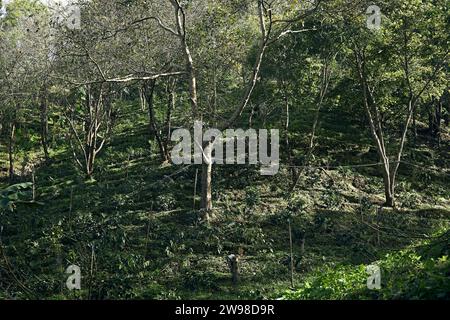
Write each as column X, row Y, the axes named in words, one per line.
column 88, row 105
column 415, row 273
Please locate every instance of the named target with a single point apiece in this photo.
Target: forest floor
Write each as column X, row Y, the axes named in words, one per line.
column 134, row 233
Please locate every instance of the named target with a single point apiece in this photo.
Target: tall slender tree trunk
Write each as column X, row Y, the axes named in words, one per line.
column 325, row 82
column 91, row 145
column 12, row 137
column 44, row 124
column 415, row 127
column 439, row 120
column 206, row 187
column 142, row 98
column 286, row 132
column 90, row 161
column 376, row 128
column 170, row 108
column 181, row 33
column 388, row 189
column 91, row 132
column 149, row 97
column 206, row 203
column 180, row 17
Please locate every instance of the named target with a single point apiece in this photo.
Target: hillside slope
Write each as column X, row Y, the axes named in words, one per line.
column 134, row 233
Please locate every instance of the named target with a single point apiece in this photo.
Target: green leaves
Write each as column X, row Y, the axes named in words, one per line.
column 406, row 274
column 12, row 195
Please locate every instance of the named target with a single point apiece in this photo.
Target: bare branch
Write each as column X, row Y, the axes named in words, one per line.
column 284, row 33
column 125, row 79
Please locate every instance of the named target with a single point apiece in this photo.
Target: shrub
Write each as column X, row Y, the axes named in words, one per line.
column 165, row 202
column 252, row 197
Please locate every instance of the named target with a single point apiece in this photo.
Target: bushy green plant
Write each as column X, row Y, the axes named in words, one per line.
column 165, row 202
column 410, row 200
column 11, row 196
column 404, row 275
column 331, row 199
column 252, row 197
column 194, row 280
column 331, row 283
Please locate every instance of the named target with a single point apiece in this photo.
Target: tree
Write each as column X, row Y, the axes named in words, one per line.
column 265, row 21
column 399, row 47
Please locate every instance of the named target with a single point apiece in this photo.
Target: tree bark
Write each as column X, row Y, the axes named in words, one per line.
column 286, row 131
column 373, row 114
column 98, row 113
column 180, row 17
column 206, row 202
column 325, row 83
column 376, row 128
column 92, row 132
column 149, row 89
column 44, row 124
column 170, row 107
column 12, row 137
